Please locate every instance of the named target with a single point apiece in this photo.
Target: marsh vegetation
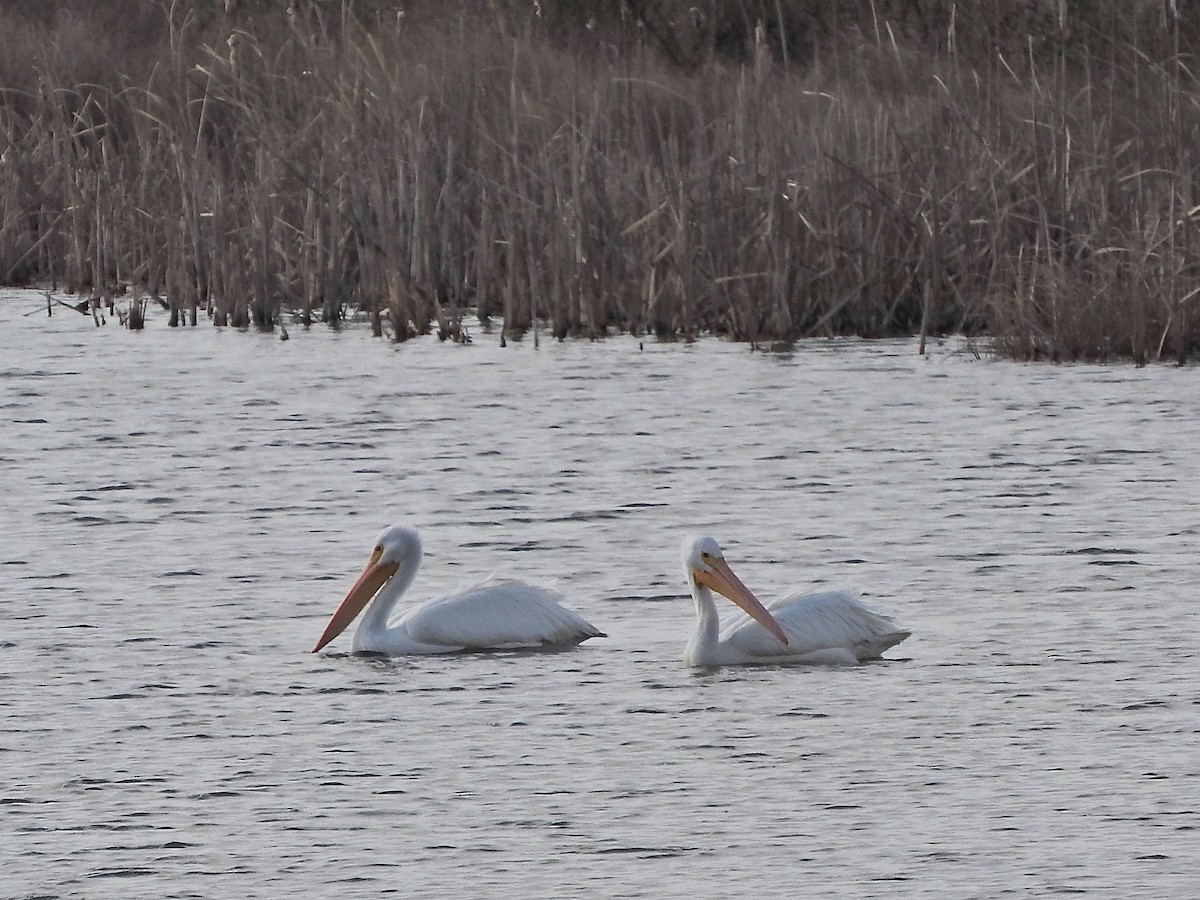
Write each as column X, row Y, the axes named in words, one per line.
column 762, row 170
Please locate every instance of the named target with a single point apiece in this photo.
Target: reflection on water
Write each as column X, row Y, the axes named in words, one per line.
column 185, row 507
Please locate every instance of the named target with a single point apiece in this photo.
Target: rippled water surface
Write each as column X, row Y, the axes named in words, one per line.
column 185, row 507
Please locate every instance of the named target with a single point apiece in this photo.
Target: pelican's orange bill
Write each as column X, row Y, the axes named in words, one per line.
column 373, row 577
column 722, row 580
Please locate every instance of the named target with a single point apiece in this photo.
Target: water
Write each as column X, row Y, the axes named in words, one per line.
column 185, row 508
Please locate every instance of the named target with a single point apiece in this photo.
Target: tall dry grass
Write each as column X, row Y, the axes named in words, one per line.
column 625, row 168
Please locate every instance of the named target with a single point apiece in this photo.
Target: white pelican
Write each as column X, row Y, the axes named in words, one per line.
column 829, row 627
column 495, row 615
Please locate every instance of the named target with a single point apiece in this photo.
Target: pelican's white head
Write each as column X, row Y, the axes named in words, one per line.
column 399, row 544
column 705, row 568
column 397, row 549
column 698, row 551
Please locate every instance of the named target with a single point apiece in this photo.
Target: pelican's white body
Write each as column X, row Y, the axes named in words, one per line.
column 498, row 614
column 829, row 627
column 823, row 627
column 495, row 615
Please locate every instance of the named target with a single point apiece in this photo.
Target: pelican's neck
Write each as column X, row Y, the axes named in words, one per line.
column 702, row 647
column 375, row 617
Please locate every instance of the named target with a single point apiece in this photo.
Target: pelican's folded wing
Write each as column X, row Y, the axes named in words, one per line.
column 817, row 620
column 499, row 614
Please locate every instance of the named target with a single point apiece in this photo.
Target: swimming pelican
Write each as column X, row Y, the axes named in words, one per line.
column 498, row 614
column 829, row 627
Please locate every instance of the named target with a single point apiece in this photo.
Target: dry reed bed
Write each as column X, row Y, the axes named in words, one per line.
column 412, row 174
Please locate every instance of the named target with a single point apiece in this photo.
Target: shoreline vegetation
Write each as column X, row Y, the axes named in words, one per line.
column 765, row 170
